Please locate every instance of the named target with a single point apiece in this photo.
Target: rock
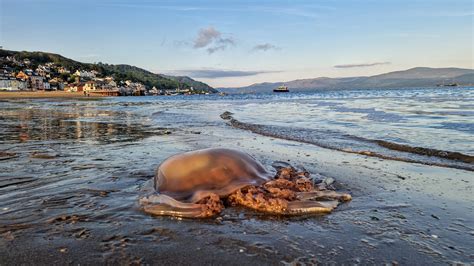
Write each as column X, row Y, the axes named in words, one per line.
column 374, row 218
column 226, row 115
column 279, row 165
column 328, row 181
column 7, row 155
column 38, row 155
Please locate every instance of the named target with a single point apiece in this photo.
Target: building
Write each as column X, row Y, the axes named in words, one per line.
column 11, row 84
column 89, row 86
column 153, row 91
column 71, row 87
column 22, row 76
column 46, row 86
column 63, row 70
column 29, row 72
column 43, row 71
column 85, row 74
column 5, row 84
column 37, row 83
column 56, row 84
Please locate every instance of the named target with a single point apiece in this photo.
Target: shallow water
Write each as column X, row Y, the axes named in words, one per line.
column 74, row 170
column 356, row 120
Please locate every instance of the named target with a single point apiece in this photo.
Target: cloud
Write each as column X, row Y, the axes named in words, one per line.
column 212, row 39
column 264, row 47
column 362, row 65
column 219, row 73
column 226, row 41
column 206, row 37
column 214, row 49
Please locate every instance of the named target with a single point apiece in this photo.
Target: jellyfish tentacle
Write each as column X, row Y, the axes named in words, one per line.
column 311, row 207
column 167, row 210
column 165, row 205
column 323, row 195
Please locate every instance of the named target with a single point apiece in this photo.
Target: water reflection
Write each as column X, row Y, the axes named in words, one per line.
column 23, row 125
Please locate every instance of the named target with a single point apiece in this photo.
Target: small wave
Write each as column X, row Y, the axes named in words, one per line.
column 353, row 144
column 426, row 151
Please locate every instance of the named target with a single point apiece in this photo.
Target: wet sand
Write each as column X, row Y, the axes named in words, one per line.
column 40, row 94
column 70, row 183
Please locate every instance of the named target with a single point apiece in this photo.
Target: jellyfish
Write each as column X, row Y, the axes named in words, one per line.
column 201, row 183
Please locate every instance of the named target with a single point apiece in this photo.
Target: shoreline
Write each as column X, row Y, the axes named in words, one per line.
column 43, row 94
column 464, row 160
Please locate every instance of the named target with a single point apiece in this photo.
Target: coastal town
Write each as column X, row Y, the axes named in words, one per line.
column 23, row 76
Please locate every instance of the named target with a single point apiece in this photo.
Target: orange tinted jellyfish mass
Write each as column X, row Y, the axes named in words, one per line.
column 201, row 183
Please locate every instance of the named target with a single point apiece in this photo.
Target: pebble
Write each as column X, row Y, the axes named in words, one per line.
column 328, row 181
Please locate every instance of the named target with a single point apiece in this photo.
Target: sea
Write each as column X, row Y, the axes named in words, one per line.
column 421, row 125
column 72, row 171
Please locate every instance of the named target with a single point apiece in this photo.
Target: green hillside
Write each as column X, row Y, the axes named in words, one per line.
column 119, row 72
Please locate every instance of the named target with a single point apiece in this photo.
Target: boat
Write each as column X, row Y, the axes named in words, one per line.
column 282, row 88
column 448, row 85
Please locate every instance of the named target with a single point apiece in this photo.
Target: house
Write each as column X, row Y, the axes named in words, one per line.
column 12, row 84
column 75, row 87
column 55, row 84
column 37, row 83
column 22, row 76
column 43, row 71
column 5, row 84
column 19, row 84
column 153, row 91
column 29, row 72
column 111, row 83
column 46, row 86
column 85, row 74
column 63, row 70
column 70, row 88
column 89, row 86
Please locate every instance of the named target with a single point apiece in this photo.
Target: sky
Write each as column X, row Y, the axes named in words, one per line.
column 230, row 43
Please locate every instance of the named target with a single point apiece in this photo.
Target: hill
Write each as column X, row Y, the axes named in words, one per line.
column 414, row 77
column 198, row 85
column 118, row 72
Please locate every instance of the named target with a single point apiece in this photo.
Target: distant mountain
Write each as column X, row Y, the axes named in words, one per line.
column 119, row 72
column 414, row 77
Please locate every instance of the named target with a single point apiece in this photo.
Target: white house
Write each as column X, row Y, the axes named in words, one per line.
column 12, row 84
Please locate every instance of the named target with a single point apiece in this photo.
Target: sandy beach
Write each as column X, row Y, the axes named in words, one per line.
column 88, row 163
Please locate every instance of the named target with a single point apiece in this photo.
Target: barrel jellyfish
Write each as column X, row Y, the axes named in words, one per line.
column 202, row 183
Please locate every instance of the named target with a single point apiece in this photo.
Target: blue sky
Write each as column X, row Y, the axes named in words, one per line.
column 237, row 43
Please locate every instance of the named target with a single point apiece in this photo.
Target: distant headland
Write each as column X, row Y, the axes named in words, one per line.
column 412, row 78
